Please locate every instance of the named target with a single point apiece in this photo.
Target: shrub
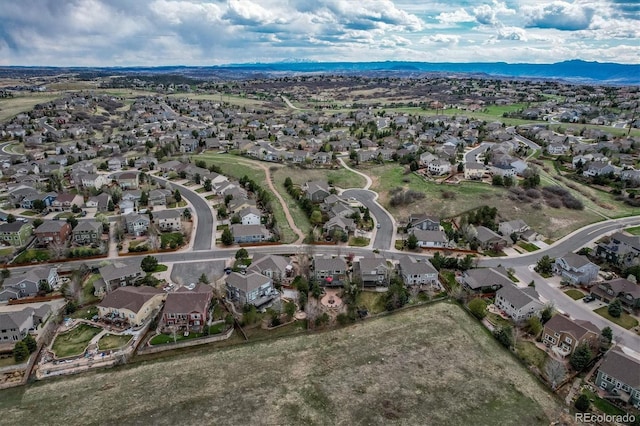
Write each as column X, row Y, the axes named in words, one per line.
column 582, row 403
column 478, row 308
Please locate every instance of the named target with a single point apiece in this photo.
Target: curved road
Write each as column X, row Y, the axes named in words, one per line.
column 384, row 234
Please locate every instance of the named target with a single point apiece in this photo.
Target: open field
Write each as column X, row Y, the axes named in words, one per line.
column 400, row 368
column 552, row 223
column 10, row 107
column 342, row 178
column 74, row 341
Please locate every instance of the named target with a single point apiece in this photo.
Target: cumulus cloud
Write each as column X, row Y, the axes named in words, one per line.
column 559, row 15
column 458, row 15
column 441, row 39
column 487, row 14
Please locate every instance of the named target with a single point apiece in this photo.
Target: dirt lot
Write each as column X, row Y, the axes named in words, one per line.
column 402, row 368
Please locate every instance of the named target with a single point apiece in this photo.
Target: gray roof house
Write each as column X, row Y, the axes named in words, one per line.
column 417, row 272
column 490, row 240
column 272, row 266
column 168, row 220
column 330, row 271
column 517, row 226
column 87, row 232
column 485, row 280
column 136, row 224
column 424, row 222
column 576, row 269
column 28, row 283
column 430, row 239
column 618, row 375
column 372, row 271
column 316, row 191
column 119, row 274
column 249, row 233
column 15, row 325
column 519, row 303
column 253, row 289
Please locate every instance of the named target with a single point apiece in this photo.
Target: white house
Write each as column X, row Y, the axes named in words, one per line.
column 250, row 216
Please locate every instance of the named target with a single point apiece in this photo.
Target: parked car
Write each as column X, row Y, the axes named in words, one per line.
column 588, row 298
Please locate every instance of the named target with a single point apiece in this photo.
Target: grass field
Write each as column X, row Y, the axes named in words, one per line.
column 74, row 341
column 342, row 178
column 10, row 107
column 574, row 294
column 633, row 231
column 529, row 352
column 32, row 255
column 359, row 241
column 112, row 341
column 372, row 300
column 397, row 369
column 625, row 320
column 550, row 222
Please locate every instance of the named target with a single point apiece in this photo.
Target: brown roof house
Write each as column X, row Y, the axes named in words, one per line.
column 52, row 232
column 187, row 308
column 620, row 288
column 563, row 335
column 133, row 305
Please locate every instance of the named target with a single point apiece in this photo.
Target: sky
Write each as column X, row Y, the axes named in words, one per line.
column 217, row 32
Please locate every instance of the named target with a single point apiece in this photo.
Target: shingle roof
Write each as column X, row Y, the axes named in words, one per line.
column 575, row 260
column 184, row 300
column 562, row 324
column 622, row 366
column 248, row 282
column 167, row 214
column 485, row 277
column 51, row 226
column 329, row 264
column 518, row 297
column 410, row 266
column 132, row 298
column 87, row 226
column 118, row 270
column 268, row 261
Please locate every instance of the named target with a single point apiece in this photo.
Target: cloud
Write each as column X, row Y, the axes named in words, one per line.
column 458, row 15
column 512, row 33
column 487, row 14
column 559, row 15
column 441, row 39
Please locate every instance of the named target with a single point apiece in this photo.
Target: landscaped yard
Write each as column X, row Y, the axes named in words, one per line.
column 574, row 294
column 112, row 341
column 86, row 312
column 171, row 239
column 359, row 241
column 603, row 405
column 32, row 255
column 169, row 338
column 372, row 300
column 528, row 246
column 529, row 352
column 625, row 320
column 74, row 341
column 400, row 369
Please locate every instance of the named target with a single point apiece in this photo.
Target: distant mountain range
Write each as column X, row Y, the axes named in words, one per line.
column 575, row 71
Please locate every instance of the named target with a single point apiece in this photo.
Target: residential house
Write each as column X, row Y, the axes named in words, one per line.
column 65, row 202
column 424, row 222
column 15, row 233
column 489, row 240
column 132, row 305
column 337, row 223
column 330, row 271
column 168, row 220
column 519, row 304
column 564, row 335
column 117, row 275
column 249, row 233
column 316, row 191
column 52, row 232
column 417, row 272
column 87, row 232
column 621, row 249
column 158, row 197
column 100, row 202
column 272, row 266
column 15, row 325
column 188, row 145
column 137, row 224
column 485, row 280
column 126, row 207
column 627, row 292
column 618, row 375
column 598, row 169
column 92, row 180
column 430, row 239
column 250, row 216
column 187, row 309
column 128, row 180
column 510, row 227
column 28, row 283
column 250, row 289
column 116, row 163
column 372, row 272
column 576, row 269
column 28, row 201
column 171, row 166
column 439, row 167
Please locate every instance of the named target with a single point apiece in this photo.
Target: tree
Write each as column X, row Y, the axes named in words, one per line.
column 581, row 357
column 222, row 212
column 186, row 214
column 207, row 184
column 149, row 263
column 110, row 206
column 289, row 309
column 544, row 266
column 144, row 198
column 478, row 307
column 615, row 308
column 227, row 237
column 20, row 351
column 607, row 336
column 203, row 279
column 582, row 403
column 504, row 335
column 397, row 295
column 466, row 263
column 31, row 343
column 11, row 218
column 177, row 196
column 72, row 221
column 242, row 254
column 497, row 180
column 554, row 371
column 534, row 325
column 39, row 205
column 249, row 315
column 37, row 222
column 412, row 242
column 75, row 209
column 316, row 217
column 546, row 313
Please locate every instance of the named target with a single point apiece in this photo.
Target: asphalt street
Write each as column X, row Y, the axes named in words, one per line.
column 384, row 234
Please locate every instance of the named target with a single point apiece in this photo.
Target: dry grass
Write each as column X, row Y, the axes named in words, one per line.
column 401, row 368
column 10, row 107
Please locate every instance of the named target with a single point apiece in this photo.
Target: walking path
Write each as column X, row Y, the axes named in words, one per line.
column 367, row 178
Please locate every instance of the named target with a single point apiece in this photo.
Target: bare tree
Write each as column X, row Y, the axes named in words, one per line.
column 57, row 249
column 554, row 371
column 153, row 240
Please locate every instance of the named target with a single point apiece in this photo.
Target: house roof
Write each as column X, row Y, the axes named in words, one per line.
column 131, row 298
column 519, row 297
column 623, row 285
column 65, row 197
column 421, row 217
column 248, row 282
column 167, row 214
column 429, row 236
column 485, row 234
column 411, row 266
column 12, row 227
column 118, row 270
column 486, row 277
column 578, row 329
column 249, row 210
column 317, row 185
column 14, row 319
column 88, row 226
column 622, row 366
column 51, row 226
column 185, row 300
column 575, row 260
column 371, row 263
column 329, row 264
column 134, row 217
column 239, row 230
column 268, row 262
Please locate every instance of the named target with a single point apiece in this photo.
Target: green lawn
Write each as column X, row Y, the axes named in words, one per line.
column 112, row 341
column 497, row 320
column 172, row 239
column 160, row 268
column 450, row 280
column 625, row 320
column 182, row 203
column 88, row 289
column 342, row 178
column 574, row 294
column 372, row 300
column 86, row 312
column 528, row 246
column 168, row 338
column 32, row 255
column 6, row 251
column 359, row 241
column 5, row 362
column 634, row 231
column 603, row 405
column 531, row 354
column 74, row 341
column 29, row 213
